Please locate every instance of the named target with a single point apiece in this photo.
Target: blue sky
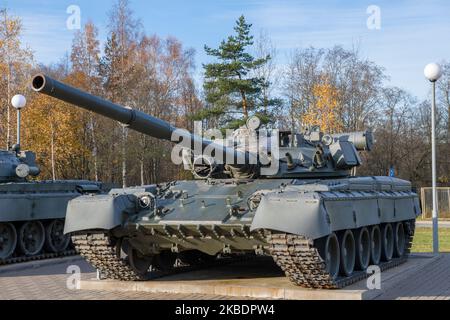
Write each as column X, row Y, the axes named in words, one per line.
column 412, row 34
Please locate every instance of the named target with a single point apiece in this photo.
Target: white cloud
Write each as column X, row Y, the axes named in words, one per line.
column 406, row 42
column 47, row 35
column 407, row 39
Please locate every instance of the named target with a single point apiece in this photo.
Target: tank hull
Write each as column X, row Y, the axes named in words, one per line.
column 220, row 217
column 32, row 217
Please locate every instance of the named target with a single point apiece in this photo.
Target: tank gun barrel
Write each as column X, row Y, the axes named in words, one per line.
column 134, row 119
column 362, row 140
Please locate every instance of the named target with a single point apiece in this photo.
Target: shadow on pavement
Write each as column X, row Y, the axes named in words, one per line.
column 44, row 268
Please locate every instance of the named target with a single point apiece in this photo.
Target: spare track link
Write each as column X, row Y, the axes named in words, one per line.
column 42, row 256
column 300, row 260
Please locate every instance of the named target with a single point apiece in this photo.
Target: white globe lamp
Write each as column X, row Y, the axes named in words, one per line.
column 18, row 101
column 433, row 72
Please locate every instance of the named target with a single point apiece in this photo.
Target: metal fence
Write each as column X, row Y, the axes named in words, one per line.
column 443, row 196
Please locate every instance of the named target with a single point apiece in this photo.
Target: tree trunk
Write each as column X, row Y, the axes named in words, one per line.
column 52, row 146
column 448, row 121
column 142, row 171
column 244, row 104
column 8, row 109
column 94, row 148
column 124, row 156
column 154, row 171
column 292, row 115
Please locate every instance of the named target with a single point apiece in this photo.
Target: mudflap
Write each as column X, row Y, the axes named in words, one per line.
column 290, row 213
column 99, row 212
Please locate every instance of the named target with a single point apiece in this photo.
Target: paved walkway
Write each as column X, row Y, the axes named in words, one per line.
column 432, row 282
column 31, row 281
column 39, row 280
column 429, row 224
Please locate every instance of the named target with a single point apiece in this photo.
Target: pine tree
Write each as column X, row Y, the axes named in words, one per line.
column 230, row 85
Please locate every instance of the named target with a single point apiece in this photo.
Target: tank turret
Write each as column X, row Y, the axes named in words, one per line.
column 248, row 152
column 17, row 165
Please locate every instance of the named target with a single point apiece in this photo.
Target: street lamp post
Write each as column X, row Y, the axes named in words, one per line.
column 433, row 72
column 18, row 102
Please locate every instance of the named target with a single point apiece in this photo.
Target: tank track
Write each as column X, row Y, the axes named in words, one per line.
column 42, row 256
column 100, row 251
column 295, row 255
column 300, row 260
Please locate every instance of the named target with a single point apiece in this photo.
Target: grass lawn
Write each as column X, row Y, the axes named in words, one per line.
column 423, row 240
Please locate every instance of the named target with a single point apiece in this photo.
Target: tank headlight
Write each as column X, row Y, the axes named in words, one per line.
column 327, row 140
column 146, row 201
column 22, row 170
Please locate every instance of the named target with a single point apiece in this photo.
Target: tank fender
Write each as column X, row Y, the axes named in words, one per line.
column 293, row 212
column 103, row 212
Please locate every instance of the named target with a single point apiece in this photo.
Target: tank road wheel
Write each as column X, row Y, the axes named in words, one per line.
column 375, row 245
column 139, row 262
column 8, row 240
column 362, row 238
column 55, row 239
column 399, row 239
column 165, row 260
column 331, row 255
column 387, row 240
column 348, row 253
column 31, row 238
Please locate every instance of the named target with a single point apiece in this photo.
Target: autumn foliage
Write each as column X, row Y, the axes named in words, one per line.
column 332, row 88
column 133, row 69
column 55, row 132
column 325, row 111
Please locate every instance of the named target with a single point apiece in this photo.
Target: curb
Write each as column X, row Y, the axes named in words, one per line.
column 225, row 288
column 237, row 289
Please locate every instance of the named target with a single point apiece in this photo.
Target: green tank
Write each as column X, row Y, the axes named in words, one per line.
column 289, row 195
column 32, row 212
